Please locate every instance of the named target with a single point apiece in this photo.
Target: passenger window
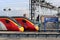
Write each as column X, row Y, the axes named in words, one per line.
column 7, row 21
column 24, row 21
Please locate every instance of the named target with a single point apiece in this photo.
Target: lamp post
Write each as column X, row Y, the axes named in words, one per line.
column 4, row 9
column 7, row 10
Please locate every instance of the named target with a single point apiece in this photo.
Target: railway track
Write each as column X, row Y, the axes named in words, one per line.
column 28, row 34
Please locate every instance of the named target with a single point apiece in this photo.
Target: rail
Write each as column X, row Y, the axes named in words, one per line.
column 29, row 34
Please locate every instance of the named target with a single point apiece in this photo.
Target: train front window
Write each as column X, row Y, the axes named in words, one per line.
column 7, row 21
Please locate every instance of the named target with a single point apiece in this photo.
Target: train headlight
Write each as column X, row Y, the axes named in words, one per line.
column 37, row 28
column 21, row 29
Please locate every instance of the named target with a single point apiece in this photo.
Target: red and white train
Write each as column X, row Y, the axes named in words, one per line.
column 17, row 24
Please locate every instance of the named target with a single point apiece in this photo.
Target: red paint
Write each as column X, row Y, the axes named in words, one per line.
column 28, row 26
column 10, row 26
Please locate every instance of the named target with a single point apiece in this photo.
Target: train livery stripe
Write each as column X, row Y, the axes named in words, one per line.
column 29, row 22
column 13, row 22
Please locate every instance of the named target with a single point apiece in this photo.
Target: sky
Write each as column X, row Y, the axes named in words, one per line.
column 17, row 4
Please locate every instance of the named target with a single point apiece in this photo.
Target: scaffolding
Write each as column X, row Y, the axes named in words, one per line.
column 40, row 6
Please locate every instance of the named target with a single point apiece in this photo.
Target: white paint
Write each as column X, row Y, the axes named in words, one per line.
column 2, row 26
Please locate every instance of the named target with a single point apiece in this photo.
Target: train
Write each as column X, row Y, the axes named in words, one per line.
column 20, row 24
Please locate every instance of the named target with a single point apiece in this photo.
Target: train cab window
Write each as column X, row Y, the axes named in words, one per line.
column 7, row 21
column 24, row 21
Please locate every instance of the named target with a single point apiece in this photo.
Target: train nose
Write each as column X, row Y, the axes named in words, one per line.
column 37, row 28
column 21, row 29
